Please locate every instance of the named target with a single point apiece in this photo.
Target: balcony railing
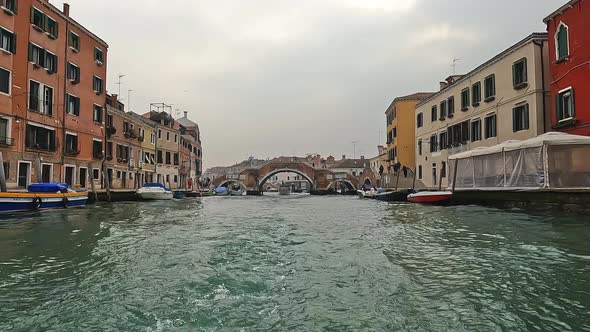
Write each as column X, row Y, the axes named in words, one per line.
column 5, row 140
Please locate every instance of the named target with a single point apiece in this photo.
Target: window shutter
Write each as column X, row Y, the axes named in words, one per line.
column 56, row 29
column 77, row 105
column 15, row 10
column 13, row 44
column 572, row 103
column 30, row 52
column 526, row 116
column 557, row 112
column 514, row 75
column 32, row 15
column 514, row 119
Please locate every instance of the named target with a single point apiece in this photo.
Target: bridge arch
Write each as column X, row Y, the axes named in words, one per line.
column 285, row 170
column 227, row 183
column 346, row 182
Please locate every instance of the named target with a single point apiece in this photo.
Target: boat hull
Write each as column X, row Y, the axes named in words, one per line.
column 155, row 196
column 19, row 202
column 393, row 196
column 434, row 198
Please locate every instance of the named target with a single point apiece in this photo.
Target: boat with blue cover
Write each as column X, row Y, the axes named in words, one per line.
column 42, row 196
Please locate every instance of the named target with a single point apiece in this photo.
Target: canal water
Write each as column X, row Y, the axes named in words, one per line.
column 296, row 263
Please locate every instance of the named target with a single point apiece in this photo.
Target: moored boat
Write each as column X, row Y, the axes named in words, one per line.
column 154, row 191
column 284, row 190
column 393, row 196
column 42, row 196
column 431, row 197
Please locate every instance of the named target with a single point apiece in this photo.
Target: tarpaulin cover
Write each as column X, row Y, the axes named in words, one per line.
column 48, row 188
column 552, row 160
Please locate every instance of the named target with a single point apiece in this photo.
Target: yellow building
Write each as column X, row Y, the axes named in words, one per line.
column 147, row 157
column 401, row 131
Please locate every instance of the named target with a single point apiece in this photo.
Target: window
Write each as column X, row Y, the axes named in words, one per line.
column 5, row 81
column 7, row 41
column 71, row 144
column 50, row 62
column 109, row 150
column 123, row 153
column 443, row 141
column 562, row 42
column 433, row 143
column 565, row 105
column 490, row 124
column 443, row 169
column 5, row 138
column 168, row 178
column 451, row 106
column 36, row 55
column 419, row 147
column 419, row 172
column 51, row 27
column 153, row 138
column 520, row 118
column 476, row 94
column 419, row 120
column 159, row 133
column 72, row 105
column 434, row 171
column 395, row 132
column 176, row 178
column 38, row 18
column 40, row 138
column 475, row 130
column 97, row 113
column 519, row 74
column 490, row 88
column 465, row 99
column 73, row 73
column 11, row 5
column 98, row 56
column 160, row 159
column 97, row 149
column 433, row 114
column 168, row 158
column 443, row 110
column 175, row 138
column 40, row 98
column 168, row 136
column 97, row 85
column 458, row 134
column 176, row 159
column 74, row 42
column 96, row 174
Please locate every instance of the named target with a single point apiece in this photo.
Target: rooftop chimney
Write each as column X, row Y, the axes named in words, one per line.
column 343, row 156
column 66, row 10
column 185, row 115
column 443, row 85
column 362, row 157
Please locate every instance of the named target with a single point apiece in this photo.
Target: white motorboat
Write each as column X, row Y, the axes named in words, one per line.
column 154, row 191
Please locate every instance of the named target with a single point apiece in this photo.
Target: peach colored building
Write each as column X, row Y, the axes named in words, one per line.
column 52, row 78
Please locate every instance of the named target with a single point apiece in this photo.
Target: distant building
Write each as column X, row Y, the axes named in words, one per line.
column 401, row 131
column 502, row 99
column 354, row 167
column 569, row 61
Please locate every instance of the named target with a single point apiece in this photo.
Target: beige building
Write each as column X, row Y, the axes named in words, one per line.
column 503, row 99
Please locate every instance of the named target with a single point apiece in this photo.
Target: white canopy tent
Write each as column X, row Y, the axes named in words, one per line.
column 552, row 160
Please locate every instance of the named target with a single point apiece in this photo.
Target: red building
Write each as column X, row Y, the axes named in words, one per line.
column 569, row 61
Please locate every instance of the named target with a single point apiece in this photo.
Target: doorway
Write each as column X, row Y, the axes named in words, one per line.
column 434, row 177
column 70, row 175
column 46, row 173
column 109, row 178
column 83, row 177
column 124, row 180
column 24, row 174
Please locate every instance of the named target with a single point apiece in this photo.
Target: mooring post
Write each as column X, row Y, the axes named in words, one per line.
column 455, row 175
column 3, row 187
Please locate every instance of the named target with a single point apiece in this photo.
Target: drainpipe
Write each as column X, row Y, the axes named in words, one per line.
column 541, row 44
column 65, row 95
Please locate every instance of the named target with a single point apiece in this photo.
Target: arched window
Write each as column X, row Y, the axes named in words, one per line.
column 562, row 41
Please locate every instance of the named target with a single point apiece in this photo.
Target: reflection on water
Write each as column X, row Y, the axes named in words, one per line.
column 293, row 263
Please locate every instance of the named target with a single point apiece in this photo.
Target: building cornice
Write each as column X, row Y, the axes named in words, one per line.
column 529, row 39
column 560, row 11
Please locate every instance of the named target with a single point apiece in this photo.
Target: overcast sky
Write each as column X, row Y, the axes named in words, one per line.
column 277, row 77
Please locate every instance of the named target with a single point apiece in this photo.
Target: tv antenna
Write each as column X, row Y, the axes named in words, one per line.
column 454, row 65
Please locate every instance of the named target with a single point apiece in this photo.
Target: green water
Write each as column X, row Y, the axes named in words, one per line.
column 293, row 263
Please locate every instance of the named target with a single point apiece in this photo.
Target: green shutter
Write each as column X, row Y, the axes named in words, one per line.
column 514, row 120
column 572, row 103
column 557, row 117
column 15, row 10
column 30, row 52
column 32, row 15
column 13, row 44
column 526, row 117
column 514, row 83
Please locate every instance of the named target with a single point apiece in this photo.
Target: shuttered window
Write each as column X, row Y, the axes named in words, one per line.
column 465, row 99
column 7, row 40
column 562, row 42
column 490, row 88
column 73, row 105
column 5, row 76
column 476, row 94
column 519, row 74
column 565, row 105
column 520, row 118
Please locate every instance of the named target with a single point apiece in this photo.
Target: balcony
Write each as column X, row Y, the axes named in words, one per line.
column 6, row 141
column 42, row 147
column 72, row 152
column 130, row 133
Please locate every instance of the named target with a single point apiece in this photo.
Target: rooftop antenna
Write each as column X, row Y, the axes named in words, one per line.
column 379, row 139
column 129, row 99
column 454, row 65
column 354, row 143
column 119, row 84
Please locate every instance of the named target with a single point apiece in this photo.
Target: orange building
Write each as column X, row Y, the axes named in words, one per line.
column 52, row 95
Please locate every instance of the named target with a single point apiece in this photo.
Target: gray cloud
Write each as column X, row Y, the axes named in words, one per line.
column 272, row 77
